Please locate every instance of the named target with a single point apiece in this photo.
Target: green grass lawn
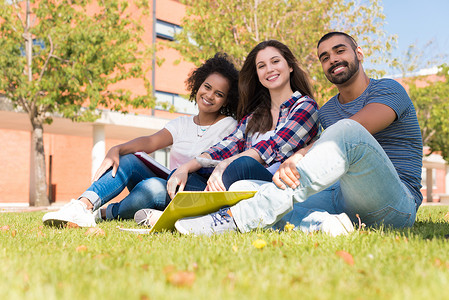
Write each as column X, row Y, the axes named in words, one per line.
column 39, row 262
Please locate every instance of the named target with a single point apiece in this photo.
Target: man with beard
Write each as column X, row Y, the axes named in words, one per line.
column 365, row 167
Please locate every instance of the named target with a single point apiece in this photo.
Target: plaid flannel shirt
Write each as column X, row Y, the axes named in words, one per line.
column 297, row 125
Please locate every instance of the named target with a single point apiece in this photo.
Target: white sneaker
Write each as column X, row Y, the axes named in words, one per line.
column 337, row 225
column 97, row 216
column 75, row 212
column 147, row 216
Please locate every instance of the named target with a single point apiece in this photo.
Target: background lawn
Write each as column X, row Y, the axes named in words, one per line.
column 39, row 262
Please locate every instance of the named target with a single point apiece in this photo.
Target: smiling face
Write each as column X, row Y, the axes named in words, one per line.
column 272, row 69
column 213, row 93
column 339, row 60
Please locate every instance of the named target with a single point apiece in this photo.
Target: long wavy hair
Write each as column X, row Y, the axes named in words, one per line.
column 255, row 98
column 221, row 64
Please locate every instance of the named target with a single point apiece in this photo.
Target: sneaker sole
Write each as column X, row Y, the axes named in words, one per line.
column 55, row 223
column 345, row 222
column 181, row 229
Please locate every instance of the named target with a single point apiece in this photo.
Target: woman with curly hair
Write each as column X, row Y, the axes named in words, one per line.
column 214, row 88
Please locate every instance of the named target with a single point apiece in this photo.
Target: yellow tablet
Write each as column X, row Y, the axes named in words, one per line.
column 190, row 204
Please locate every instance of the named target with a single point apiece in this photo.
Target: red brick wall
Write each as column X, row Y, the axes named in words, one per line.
column 14, row 163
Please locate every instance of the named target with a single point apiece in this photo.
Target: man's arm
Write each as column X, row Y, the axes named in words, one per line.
column 375, row 117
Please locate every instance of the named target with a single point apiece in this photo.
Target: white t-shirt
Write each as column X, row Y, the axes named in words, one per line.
column 186, row 142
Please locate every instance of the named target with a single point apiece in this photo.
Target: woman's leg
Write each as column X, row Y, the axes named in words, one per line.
column 149, row 193
column 130, row 172
column 245, row 168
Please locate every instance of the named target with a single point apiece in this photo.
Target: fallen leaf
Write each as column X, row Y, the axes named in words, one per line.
column 13, row 233
column 81, row 248
column 316, row 245
column 72, row 225
column 181, row 279
column 101, row 256
column 5, row 228
column 346, row 257
column 259, row 244
column 95, row 231
column 169, row 269
column 144, row 267
column 277, row 243
column 144, row 297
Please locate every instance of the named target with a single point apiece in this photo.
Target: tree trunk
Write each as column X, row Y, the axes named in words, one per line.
column 38, row 177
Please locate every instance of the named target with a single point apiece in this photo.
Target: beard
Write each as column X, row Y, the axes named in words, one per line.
column 353, row 67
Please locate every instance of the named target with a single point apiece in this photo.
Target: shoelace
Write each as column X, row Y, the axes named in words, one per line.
column 221, row 215
column 146, row 221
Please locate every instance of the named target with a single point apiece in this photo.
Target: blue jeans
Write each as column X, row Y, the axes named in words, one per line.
column 345, row 171
column 145, row 189
column 243, row 168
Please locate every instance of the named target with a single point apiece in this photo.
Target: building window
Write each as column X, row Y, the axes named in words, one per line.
column 166, row 31
column 38, row 46
column 165, row 100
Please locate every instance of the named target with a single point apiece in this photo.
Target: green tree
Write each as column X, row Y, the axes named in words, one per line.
column 432, row 107
column 236, row 26
column 61, row 57
column 416, row 58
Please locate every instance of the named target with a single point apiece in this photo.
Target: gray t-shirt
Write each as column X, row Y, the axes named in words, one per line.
column 401, row 141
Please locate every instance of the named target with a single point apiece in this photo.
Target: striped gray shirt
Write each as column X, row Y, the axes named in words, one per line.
column 401, row 140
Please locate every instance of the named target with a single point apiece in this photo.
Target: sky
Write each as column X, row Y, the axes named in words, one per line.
column 418, row 22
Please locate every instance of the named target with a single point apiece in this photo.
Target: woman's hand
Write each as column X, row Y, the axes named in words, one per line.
column 178, row 178
column 287, row 174
column 112, row 159
column 215, row 181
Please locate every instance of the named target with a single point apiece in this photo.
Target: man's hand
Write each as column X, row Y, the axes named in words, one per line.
column 287, row 174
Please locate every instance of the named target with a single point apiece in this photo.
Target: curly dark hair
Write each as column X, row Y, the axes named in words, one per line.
column 222, row 64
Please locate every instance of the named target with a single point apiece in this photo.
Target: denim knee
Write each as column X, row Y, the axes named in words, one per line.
column 153, row 193
column 345, row 129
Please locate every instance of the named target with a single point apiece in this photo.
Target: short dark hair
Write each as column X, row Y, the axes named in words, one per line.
column 221, row 64
column 328, row 35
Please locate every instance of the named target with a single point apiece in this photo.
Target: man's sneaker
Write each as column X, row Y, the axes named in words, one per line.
column 215, row 223
column 75, row 212
column 337, row 225
column 147, row 217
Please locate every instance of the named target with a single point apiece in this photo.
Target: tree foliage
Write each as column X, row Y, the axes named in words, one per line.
column 64, row 57
column 236, row 26
column 77, row 55
column 432, row 107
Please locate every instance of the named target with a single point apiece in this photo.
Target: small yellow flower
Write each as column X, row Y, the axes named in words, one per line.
column 235, row 248
column 289, row 227
column 259, row 244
